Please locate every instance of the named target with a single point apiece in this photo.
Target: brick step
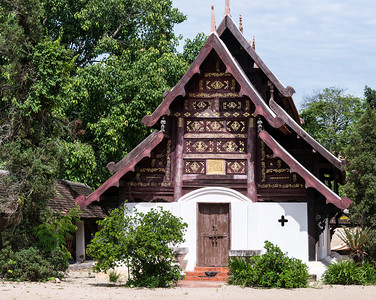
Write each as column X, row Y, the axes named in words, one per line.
column 192, row 278
column 215, row 269
column 202, row 273
column 199, row 274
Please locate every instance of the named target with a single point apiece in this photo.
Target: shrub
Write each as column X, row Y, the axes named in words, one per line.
column 349, row 272
column 143, row 241
column 272, row 269
column 356, row 239
column 48, row 255
column 27, row 265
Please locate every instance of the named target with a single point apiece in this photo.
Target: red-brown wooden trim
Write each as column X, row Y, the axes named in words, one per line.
column 303, row 134
column 112, row 167
column 288, row 91
column 251, row 160
column 138, row 153
column 310, row 179
column 179, row 162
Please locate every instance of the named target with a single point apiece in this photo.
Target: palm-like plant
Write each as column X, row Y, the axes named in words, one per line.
column 356, row 239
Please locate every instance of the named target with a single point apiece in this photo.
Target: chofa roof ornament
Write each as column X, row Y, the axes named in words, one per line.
column 213, row 28
column 227, row 7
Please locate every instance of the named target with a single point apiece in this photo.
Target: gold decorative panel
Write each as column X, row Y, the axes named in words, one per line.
column 275, row 174
column 214, row 126
column 195, row 167
column 236, row 167
column 230, row 146
column 214, row 95
column 215, row 167
column 236, row 126
column 201, row 105
column 195, row 126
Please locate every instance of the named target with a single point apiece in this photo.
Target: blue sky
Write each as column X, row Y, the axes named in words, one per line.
column 308, row 45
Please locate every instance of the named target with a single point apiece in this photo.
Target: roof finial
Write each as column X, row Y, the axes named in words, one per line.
column 254, row 43
column 227, row 7
column 213, row 28
column 240, row 24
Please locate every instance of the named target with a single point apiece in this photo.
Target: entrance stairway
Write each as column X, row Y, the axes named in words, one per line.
column 207, row 274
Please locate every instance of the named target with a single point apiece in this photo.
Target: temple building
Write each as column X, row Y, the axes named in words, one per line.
column 230, row 157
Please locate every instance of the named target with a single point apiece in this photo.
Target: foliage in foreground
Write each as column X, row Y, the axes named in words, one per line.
column 31, row 264
column 274, row 269
column 47, row 258
column 143, row 241
column 356, row 239
column 349, row 272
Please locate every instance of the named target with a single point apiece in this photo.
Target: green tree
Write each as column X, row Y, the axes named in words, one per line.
column 41, row 45
column 192, row 47
column 361, row 156
column 35, row 80
column 329, row 117
column 143, row 241
column 95, row 27
column 114, row 95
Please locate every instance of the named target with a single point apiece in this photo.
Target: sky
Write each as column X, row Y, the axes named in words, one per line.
column 309, row 45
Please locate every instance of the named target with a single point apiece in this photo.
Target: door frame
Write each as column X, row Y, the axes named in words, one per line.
column 198, row 234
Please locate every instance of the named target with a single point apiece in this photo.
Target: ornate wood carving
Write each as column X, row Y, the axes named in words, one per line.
column 216, row 125
column 274, row 173
column 195, row 167
column 154, row 171
column 216, row 85
column 236, row 166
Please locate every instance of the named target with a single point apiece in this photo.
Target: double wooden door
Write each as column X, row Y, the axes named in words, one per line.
column 213, row 234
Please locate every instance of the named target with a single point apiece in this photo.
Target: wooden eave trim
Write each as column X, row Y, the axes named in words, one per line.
column 288, row 91
column 310, row 179
column 113, row 168
column 114, row 180
column 214, row 42
column 304, row 135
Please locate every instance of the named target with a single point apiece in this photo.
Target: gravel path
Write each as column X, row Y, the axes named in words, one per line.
column 84, row 285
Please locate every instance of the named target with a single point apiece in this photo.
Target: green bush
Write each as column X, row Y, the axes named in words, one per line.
column 356, row 239
column 349, row 272
column 27, row 265
column 46, row 257
column 143, row 241
column 272, row 269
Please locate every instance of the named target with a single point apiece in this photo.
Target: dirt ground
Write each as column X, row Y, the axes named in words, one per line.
column 83, row 284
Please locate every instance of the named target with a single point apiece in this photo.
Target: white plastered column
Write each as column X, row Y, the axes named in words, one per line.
column 80, row 242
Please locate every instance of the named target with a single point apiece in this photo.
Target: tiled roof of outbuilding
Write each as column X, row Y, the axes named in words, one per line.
column 67, row 191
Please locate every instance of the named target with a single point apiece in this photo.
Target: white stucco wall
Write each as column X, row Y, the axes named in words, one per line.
column 251, row 223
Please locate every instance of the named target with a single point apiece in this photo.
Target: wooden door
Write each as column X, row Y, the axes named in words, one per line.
column 213, row 234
